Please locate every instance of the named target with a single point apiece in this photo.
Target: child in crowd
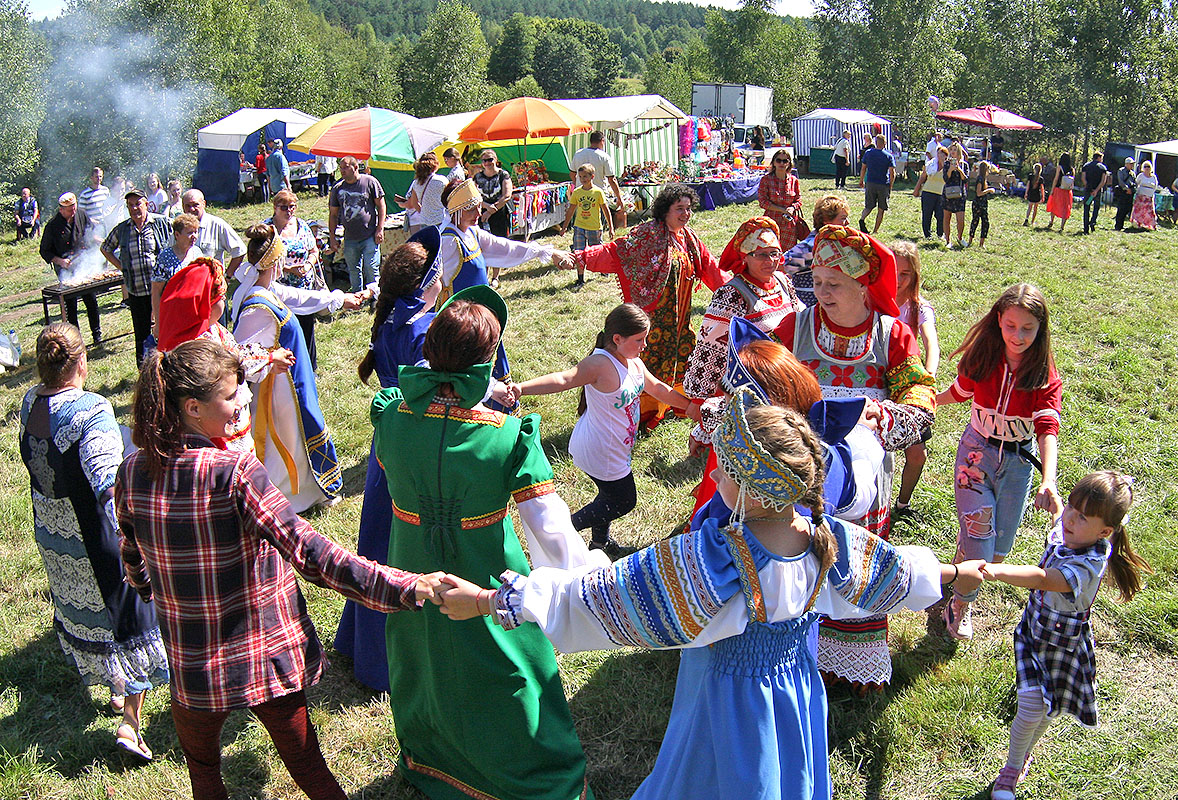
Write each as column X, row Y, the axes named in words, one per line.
column 749, row 715
column 981, row 204
column 586, row 208
column 1007, row 370
column 917, row 313
column 613, row 377
column 1053, row 649
column 1034, row 195
column 211, row 540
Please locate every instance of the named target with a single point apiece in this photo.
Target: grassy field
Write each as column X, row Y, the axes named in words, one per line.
column 939, row 731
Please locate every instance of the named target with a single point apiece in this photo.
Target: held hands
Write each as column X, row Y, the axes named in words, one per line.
column 427, row 588
column 506, row 394
column 695, row 447
column 281, row 360
column 563, row 259
column 1048, row 499
column 460, row 599
column 354, row 300
column 872, row 415
column 969, row 575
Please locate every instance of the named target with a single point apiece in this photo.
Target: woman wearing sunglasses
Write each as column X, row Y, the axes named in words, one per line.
column 781, row 197
column 494, row 184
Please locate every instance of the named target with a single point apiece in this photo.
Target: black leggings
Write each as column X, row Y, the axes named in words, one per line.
column 614, row 499
column 981, row 213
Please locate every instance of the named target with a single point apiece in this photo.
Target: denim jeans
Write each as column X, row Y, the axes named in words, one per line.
column 931, row 209
column 363, row 260
column 991, row 487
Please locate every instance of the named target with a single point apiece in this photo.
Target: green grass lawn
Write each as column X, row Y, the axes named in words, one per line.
column 939, row 731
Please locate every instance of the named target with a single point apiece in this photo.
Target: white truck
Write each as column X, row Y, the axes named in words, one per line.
column 748, row 105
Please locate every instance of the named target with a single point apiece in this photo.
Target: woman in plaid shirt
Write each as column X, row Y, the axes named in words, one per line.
column 208, row 537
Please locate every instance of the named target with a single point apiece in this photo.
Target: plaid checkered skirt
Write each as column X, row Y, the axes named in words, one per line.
column 1053, row 652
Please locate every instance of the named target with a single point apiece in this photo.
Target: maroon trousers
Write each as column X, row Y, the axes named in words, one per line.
column 285, row 719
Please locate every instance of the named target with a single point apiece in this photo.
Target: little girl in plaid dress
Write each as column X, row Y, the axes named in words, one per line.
column 1053, row 650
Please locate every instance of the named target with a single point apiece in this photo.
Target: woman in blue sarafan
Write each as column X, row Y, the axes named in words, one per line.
column 467, row 251
column 749, row 716
column 410, row 281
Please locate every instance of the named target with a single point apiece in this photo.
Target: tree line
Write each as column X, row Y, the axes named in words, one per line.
column 126, row 84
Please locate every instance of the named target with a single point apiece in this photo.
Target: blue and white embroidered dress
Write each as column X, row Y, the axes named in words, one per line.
column 749, row 715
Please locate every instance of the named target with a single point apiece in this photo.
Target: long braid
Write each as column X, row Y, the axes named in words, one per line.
column 400, row 273
column 823, row 541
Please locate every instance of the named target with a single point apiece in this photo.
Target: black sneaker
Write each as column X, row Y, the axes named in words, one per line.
column 580, row 281
column 612, row 549
column 862, row 226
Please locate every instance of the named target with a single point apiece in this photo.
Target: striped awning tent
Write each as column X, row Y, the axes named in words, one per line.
column 638, row 128
column 823, row 127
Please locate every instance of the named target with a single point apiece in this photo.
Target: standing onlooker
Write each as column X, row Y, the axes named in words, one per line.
column 216, row 238
column 64, row 238
column 842, row 157
column 277, row 168
column 981, row 204
column 956, row 178
column 1059, row 201
column 929, row 188
column 28, row 215
column 494, row 184
column 92, row 202
column 1034, row 194
column 917, row 313
column 1144, row 213
column 138, row 241
column 157, row 198
column 324, row 174
column 175, row 205
column 780, row 194
column 303, row 269
column 878, row 175
column 457, row 174
column 586, row 207
column 603, row 171
column 1124, row 191
column 357, row 201
column 1095, row 177
column 260, row 171
column 425, row 196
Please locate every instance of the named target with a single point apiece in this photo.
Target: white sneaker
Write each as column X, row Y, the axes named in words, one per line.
column 958, row 619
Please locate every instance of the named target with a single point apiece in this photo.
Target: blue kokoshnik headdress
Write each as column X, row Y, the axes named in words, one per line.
column 757, row 472
column 736, row 376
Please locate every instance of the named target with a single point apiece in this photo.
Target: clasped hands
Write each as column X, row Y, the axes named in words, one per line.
column 456, row 597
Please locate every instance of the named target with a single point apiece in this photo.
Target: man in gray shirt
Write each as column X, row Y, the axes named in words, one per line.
column 357, row 202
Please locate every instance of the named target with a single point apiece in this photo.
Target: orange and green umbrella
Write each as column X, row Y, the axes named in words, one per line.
column 369, row 133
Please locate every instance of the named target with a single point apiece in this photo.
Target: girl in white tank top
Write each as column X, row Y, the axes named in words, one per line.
column 613, row 377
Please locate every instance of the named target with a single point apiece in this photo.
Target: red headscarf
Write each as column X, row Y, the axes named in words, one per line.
column 187, row 300
column 752, row 234
column 862, row 257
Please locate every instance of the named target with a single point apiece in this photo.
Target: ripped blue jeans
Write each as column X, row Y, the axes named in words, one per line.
column 991, row 487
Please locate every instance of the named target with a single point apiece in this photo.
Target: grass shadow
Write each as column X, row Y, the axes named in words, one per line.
column 674, row 473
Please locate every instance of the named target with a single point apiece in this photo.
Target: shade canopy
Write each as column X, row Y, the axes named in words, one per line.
column 523, row 118
column 230, row 133
column 370, row 133
column 990, row 117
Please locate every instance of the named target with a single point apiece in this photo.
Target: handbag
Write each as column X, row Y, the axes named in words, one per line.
column 953, row 192
column 1067, row 182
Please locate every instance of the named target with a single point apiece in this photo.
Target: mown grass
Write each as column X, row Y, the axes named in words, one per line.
column 938, row 732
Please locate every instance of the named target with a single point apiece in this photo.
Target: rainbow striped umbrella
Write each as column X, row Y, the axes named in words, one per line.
column 369, row 133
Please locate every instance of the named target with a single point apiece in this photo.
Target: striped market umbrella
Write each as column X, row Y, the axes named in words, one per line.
column 369, row 133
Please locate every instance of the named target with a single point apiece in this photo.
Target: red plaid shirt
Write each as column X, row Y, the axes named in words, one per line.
column 210, row 541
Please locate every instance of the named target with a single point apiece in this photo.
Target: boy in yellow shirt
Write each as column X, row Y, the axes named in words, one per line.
column 586, row 208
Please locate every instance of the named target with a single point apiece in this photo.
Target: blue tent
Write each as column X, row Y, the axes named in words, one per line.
column 220, row 145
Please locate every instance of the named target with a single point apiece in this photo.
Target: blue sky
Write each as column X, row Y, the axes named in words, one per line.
column 51, row 8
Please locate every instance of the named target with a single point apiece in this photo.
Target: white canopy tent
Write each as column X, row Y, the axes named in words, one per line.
column 1164, row 156
column 230, row 133
column 218, row 146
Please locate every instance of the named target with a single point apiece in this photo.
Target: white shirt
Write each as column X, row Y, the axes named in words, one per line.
column 429, row 195
column 217, row 239
column 603, row 165
column 843, row 148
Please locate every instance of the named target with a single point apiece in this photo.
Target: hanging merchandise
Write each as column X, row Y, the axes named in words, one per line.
column 687, row 137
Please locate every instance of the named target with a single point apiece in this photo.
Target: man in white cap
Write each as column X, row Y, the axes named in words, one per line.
column 64, row 237
column 1123, row 192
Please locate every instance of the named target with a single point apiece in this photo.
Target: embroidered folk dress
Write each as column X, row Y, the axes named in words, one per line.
column 290, row 434
column 72, row 447
column 749, row 716
column 879, row 360
column 480, row 711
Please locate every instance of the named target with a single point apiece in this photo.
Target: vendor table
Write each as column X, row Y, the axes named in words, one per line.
column 640, row 196
column 60, row 292
column 539, row 207
column 723, row 193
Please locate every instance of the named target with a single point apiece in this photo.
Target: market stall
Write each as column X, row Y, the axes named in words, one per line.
column 816, row 133
column 226, row 149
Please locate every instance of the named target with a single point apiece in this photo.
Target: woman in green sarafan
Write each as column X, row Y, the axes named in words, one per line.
column 480, row 712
